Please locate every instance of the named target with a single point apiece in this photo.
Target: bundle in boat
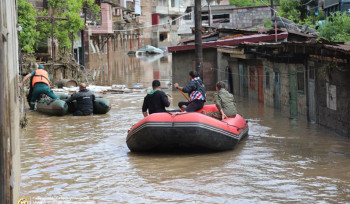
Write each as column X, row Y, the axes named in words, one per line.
column 52, row 107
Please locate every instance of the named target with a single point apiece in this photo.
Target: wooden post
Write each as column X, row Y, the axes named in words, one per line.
column 198, row 37
column 275, row 28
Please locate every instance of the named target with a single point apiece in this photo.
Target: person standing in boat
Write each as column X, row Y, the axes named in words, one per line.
column 196, row 92
column 40, row 82
column 225, row 102
column 85, row 101
column 156, row 100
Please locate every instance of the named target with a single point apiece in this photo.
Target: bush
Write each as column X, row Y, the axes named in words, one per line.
column 336, row 28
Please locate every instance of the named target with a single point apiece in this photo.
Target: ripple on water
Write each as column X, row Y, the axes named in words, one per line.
column 280, row 161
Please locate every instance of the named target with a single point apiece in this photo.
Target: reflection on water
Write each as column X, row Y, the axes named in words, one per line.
column 281, row 160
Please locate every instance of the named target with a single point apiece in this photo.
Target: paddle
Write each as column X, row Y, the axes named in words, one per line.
column 184, row 95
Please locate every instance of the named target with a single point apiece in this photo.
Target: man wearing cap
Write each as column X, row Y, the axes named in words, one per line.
column 40, row 83
column 156, row 100
column 85, row 101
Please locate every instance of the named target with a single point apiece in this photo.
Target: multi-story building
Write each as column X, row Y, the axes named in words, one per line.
column 165, row 21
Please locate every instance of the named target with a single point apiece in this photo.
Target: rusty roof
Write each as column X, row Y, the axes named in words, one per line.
column 235, row 41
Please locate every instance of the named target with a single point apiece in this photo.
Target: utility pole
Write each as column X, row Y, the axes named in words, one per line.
column 198, row 37
column 272, row 9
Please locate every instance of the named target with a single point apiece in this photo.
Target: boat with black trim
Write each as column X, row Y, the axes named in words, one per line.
column 165, row 131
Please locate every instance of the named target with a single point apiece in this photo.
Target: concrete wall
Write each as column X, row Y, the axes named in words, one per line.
column 250, row 77
column 332, row 98
column 250, row 16
column 9, row 105
column 184, row 62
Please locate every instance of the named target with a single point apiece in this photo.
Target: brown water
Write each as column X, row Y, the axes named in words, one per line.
column 86, row 158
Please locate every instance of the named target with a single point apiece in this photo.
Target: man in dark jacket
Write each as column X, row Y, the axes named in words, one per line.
column 85, row 101
column 196, row 92
column 155, row 101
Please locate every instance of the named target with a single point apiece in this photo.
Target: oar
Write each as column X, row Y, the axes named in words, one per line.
column 184, row 95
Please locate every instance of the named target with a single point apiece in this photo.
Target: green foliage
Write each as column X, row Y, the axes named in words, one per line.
column 290, row 10
column 36, row 31
column 297, row 12
column 268, row 23
column 336, row 28
column 26, row 18
column 70, row 9
column 243, row 3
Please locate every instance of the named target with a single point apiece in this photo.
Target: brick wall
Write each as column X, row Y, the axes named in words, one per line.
column 250, row 16
column 106, row 20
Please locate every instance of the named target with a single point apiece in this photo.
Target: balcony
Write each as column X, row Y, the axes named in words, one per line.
column 164, row 10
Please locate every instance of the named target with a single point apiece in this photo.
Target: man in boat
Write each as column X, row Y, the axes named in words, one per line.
column 156, row 100
column 85, row 101
column 40, row 82
column 196, row 92
column 225, row 102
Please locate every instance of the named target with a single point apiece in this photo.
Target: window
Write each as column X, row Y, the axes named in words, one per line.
column 331, row 96
column 189, row 14
column 221, row 16
column 267, row 85
column 3, row 12
column 116, row 12
column 300, row 79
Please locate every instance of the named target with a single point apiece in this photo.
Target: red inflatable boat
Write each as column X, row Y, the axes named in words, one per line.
column 165, row 131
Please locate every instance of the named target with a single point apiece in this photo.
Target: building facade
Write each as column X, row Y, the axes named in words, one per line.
column 303, row 79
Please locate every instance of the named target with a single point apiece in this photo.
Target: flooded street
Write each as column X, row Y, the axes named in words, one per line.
column 282, row 160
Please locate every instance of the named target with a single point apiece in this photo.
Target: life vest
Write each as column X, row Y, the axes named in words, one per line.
column 41, row 76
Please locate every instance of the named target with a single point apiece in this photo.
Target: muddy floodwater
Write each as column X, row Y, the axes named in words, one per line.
column 87, row 159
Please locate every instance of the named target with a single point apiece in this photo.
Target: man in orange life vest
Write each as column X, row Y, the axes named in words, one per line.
column 40, row 84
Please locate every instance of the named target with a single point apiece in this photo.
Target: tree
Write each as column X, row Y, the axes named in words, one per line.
column 66, row 30
column 28, row 36
column 336, row 28
column 297, row 10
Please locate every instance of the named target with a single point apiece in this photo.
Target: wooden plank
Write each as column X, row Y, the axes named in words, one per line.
column 244, row 56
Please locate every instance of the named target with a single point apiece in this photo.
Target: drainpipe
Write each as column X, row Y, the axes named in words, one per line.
column 109, row 72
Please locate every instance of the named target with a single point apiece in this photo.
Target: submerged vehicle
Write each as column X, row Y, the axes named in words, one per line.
column 181, row 130
column 148, row 49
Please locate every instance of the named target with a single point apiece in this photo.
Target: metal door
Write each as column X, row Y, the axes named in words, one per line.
column 293, row 94
column 241, row 79
column 311, row 94
column 276, row 89
column 260, row 84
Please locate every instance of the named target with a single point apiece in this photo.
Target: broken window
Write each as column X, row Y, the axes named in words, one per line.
column 331, row 96
column 163, row 36
column 189, row 14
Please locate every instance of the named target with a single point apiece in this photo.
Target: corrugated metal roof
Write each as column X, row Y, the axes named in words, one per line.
column 235, row 41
